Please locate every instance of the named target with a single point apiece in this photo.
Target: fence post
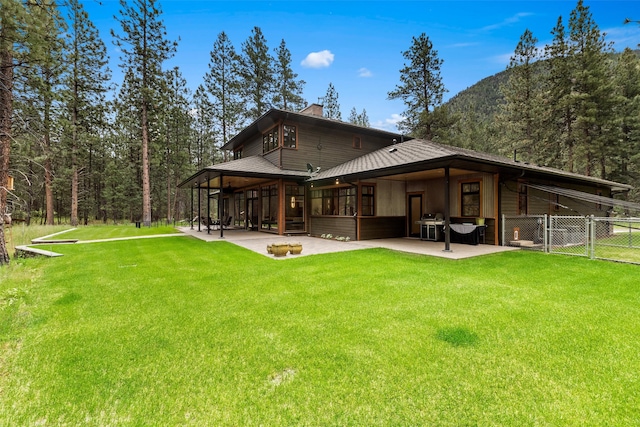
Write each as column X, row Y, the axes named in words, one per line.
column 503, row 230
column 592, row 240
column 546, row 231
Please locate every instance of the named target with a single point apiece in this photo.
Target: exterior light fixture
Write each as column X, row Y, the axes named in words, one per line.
column 337, row 181
column 293, row 202
column 10, row 183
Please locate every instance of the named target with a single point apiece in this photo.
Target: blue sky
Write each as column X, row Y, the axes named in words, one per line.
column 358, row 45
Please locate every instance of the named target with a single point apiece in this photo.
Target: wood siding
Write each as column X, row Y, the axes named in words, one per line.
column 336, row 148
column 344, row 226
column 382, row 227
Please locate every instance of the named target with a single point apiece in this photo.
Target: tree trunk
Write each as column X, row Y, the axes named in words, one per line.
column 146, row 185
column 6, row 112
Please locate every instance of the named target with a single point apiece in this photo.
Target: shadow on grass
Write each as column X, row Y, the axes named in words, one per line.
column 457, row 336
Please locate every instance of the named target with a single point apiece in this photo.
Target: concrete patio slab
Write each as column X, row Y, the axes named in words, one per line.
column 257, row 241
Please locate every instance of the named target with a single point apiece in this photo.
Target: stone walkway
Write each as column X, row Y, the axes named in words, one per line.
column 258, row 241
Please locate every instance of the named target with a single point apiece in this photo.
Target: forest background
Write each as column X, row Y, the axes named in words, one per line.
column 80, row 150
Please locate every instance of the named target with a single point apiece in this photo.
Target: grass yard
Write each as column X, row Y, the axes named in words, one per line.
column 173, row 331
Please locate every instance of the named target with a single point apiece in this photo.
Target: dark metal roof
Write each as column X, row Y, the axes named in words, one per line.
column 253, row 167
column 417, row 155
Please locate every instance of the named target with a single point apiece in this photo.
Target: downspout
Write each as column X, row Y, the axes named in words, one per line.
column 220, row 205
column 447, row 211
column 199, row 206
column 191, row 217
column 208, row 205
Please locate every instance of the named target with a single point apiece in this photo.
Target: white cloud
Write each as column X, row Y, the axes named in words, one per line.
column 389, row 124
column 363, row 72
column 321, row 59
column 507, row 22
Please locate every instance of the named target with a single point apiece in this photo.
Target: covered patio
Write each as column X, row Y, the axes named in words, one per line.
column 257, row 242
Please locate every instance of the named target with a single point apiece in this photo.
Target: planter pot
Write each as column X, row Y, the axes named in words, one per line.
column 479, row 221
column 295, row 248
column 279, row 249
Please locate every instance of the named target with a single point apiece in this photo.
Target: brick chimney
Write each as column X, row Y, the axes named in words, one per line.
column 312, row 110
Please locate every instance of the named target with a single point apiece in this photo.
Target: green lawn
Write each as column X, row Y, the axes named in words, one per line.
column 180, row 332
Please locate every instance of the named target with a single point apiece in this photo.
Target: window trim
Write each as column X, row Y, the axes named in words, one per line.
column 462, row 194
column 270, row 131
column 357, row 142
column 240, row 150
column 525, row 193
column 295, row 127
column 372, row 196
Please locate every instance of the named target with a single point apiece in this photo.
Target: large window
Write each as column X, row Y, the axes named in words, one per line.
column 270, row 207
column 289, row 136
column 470, row 199
column 334, row 201
column 237, row 153
column 270, row 140
column 368, row 200
column 239, row 213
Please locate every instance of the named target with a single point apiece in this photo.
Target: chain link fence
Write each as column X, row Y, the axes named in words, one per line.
column 616, row 239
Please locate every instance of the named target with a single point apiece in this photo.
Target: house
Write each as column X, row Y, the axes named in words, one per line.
column 303, row 173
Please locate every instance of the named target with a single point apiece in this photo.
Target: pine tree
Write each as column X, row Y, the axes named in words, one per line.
column 85, row 88
column 43, row 87
column 592, row 92
column 626, row 158
column 289, row 89
column 331, row 108
column 360, row 119
column 144, row 48
column 204, row 151
column 521, row 111
column 224, row 90
column 256, row 71
column 421, row 88
column 559, row 112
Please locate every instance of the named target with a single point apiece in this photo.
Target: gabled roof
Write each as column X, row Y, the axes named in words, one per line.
column 418, row 154
column 274, row 116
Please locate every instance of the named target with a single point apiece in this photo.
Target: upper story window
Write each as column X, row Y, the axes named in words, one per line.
column 237, row 153
column 270, row 140
column 470, row 199
column 357, row 142
column 289, row 136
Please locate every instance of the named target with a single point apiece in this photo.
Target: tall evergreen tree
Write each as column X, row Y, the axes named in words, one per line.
column 44, row 80
column 177, row 133
column 520, row 111
column 421, row 88
column 559, row 111
column 223, row 90
column 203, row 150
column 86, row 84
column 626, row 158
column 360, row 119
column 144, row 48
column 592, row 90
column 288, row 94
column 14, row 20
column 331, row 105
column 256, row 71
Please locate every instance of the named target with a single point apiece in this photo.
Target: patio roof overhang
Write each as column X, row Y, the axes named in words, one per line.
column 240, row 173
column 417, row 159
